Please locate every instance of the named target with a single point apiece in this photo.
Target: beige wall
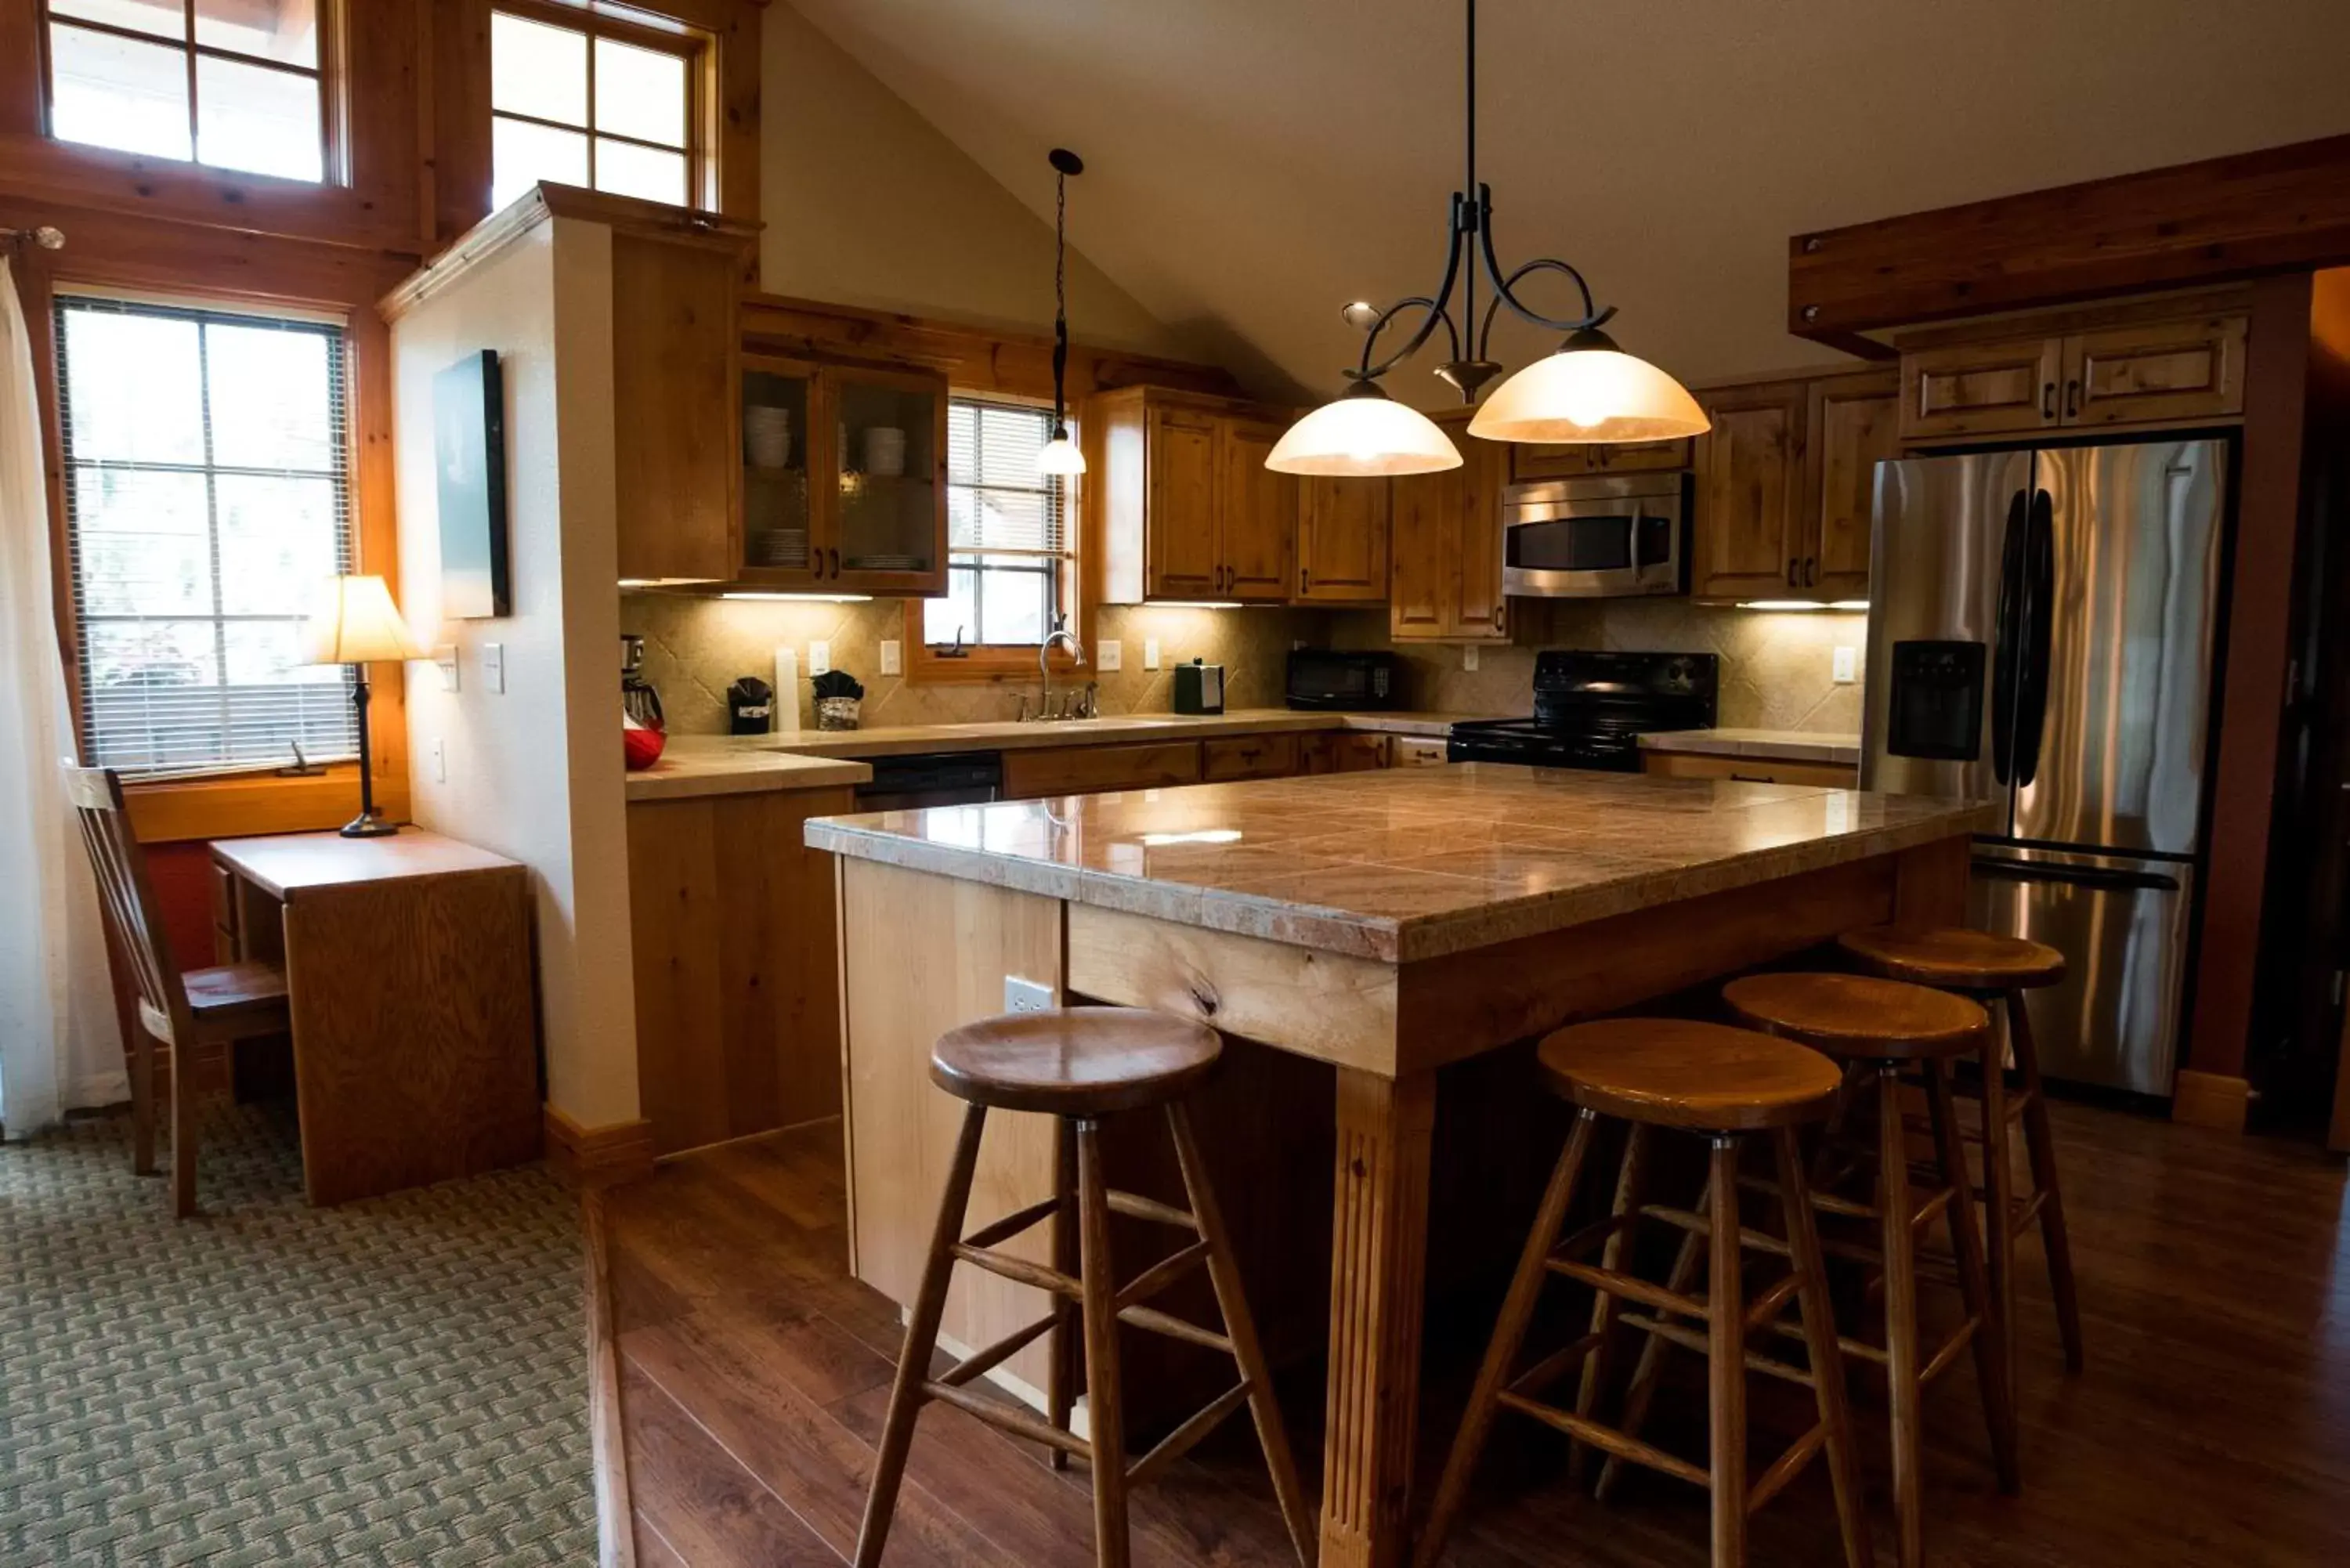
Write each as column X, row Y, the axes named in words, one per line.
column 534, row 772
column 867, row 203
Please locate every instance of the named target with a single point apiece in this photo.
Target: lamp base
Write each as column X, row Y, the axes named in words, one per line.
column 368, row 824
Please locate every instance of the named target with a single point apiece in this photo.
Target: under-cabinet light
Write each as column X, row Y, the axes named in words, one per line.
column 802, row 598
column 1193, row 604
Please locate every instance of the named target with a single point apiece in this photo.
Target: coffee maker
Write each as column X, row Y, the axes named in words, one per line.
column 639, row 701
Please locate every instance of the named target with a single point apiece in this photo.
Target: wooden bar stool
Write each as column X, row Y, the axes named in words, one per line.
column 1725, row 1085
column 1999, row 969
column 1080, row 1065
column 1883, row 1028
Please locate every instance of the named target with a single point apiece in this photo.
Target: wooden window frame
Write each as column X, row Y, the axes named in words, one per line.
column 1007, row 662
column 328, row 78
column 697, row 47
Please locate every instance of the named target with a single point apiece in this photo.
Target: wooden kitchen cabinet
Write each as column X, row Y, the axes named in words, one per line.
column 1227, row 757
column 832, row 518
column 1446, row 579
column 2087, row 375
column 1785, row 483
column 1190, row 512
column 1342, row 752
column 1530, row 460
column 1748, row 770
column 1083, row 770
column 1342, row 528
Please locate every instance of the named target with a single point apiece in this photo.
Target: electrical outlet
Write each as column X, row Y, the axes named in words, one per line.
column 1469, row 656
column 439, row 751
column 890, row 656
column 445, row 656
column 1025, row 995
column 493, row 667
column 819, row 657
column 1109, row 656
column 1151, row 653
column 1846, row 664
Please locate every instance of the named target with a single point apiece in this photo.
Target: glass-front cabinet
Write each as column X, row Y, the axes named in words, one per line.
column 843, row 478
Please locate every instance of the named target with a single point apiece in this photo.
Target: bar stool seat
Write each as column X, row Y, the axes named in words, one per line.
column 1856, row 1017
column 1075, row 1061
column 1678, row 1073
column 1953, row 958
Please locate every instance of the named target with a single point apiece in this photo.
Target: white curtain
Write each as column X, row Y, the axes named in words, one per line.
column 60, row 1046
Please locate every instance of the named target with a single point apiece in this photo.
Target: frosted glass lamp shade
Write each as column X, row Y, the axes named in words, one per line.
column 1364, row 433
column 355, row 622
column 1589, row 392
column 1060, row 455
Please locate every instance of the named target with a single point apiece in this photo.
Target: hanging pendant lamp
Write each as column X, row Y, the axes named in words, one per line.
column 1589, row 392
column 1060, row 455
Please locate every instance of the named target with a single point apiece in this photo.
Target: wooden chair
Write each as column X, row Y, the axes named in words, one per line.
column 1080, row 1065
column 193, row 1017
column 1884, row 1028
column 1997, row 970
column 1726, row 1085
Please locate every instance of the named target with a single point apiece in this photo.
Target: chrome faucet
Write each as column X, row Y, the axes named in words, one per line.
column 1059, row 633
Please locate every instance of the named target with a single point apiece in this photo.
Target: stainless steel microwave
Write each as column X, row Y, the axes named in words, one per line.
column 1605, row 536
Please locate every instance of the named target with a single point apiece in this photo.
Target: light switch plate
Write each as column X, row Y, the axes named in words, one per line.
column 1025, row 995
column 1151, row 653
column 1109, row 655
column 890, row 656
column 1469, row 656
column 493, row 667
column 819, row 657
column 440, row 753
column 445, row 656
column 1847, row 664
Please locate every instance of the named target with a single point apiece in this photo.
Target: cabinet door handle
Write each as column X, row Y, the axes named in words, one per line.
column 1811, row 571
column 2048, row 400
column 1498, row 612
column 2071, row 398
column 1305, row 579
column 835, row 563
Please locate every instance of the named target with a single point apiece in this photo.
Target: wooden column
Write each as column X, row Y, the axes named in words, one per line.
column 1377, row 1284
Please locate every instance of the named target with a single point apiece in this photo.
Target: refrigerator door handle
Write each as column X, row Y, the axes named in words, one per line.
column 2039, row 635
column 2007, row 639
column 2104, row 878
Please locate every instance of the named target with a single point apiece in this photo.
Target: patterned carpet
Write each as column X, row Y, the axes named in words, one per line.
column 396, row 1381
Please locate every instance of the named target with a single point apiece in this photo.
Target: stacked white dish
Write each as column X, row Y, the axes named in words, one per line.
column 885, row 452
column 766, row 436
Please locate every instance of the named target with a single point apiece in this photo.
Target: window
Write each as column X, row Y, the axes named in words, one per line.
column 207, row 498
column 232, row 83
column 1007, row 538
column 590, row 101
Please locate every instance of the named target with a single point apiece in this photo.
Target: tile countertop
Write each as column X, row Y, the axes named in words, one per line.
column 1781, row 745
column 807, row 759
column 1405, row 865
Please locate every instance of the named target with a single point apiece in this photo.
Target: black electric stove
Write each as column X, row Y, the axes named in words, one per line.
column 1591, row 709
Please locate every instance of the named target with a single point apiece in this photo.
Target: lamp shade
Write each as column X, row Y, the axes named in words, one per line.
column 1362, row 433
column 355, row 622
column 1060, row 455
column 1589, row 392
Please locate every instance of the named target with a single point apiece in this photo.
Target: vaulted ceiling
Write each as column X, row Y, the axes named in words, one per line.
column 1253, row 164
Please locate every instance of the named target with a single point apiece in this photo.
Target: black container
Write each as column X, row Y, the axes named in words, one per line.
column 750, row 707
column 1331, row 677
column 1199, row 688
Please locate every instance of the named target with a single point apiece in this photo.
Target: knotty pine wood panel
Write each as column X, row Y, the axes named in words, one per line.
column 738, row 1023
column 1085, row 770
column 1754, row 770
column 678, row 408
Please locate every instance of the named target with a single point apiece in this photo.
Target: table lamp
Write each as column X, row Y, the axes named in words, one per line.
column 355, row 623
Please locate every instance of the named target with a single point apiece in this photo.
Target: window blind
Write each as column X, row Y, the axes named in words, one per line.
column 997, row 504
column 207, row 483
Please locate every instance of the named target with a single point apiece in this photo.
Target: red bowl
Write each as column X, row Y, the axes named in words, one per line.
column 643, row 746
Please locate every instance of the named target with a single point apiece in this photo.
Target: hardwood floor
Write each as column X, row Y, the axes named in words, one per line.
column 2211, row 1427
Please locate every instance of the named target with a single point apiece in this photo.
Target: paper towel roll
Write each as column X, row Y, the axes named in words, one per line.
column 788, row 690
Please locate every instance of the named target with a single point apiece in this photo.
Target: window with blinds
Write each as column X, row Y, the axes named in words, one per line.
column 1007, row 534
column 207, row 482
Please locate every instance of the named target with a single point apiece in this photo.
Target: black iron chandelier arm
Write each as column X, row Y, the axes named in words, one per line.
column 1434, row 304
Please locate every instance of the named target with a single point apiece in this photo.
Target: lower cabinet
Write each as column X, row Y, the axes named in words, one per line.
column 738, row 1009
column 1250, row 757
column 1342, row 752
column 1418, row 752
column 1748, row 770
column 1086, row 769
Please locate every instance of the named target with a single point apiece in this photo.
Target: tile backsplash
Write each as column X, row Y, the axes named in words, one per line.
column 1776, row 666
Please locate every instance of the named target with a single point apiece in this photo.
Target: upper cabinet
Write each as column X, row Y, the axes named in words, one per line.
column 843, row 478
column 1190, row 512
column 1784, row 486
column 1342, row 528
column 2160, row 372
column 1529, row 462
column 1446, row 584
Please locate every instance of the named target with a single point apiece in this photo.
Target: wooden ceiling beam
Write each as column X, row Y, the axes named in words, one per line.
column 2282, row 209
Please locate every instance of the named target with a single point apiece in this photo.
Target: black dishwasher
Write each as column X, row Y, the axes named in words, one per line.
column 932, row 778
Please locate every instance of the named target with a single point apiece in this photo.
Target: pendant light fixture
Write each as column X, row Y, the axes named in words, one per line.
column 1060, row 455
column 1589, row 391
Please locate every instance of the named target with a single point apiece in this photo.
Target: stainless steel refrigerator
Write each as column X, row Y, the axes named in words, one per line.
column 2040, row 633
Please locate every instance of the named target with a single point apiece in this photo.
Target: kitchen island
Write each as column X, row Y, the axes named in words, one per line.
column 1387, row 925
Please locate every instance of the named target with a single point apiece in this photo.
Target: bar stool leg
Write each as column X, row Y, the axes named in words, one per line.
column 1726, row 1364
column 921, row 1340
column 1999, row 1179
column 1223, row 1274
column 2041, row 1142
column 1060, row 1368
column 1105, row 1412
column 1650, row 1368
column 1993, row 1349
column 142, row 1101
column 1901, row 1313
column 1509, row 1334
column 1820, row 1341
column 1630, row 1179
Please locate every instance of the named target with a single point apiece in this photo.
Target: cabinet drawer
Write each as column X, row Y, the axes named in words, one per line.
column 1531, row 460
column 1340, row 751
column 1248, row 757
column 1082, row 770
column 2162, row 371
column 1976, row 389
column 1748, row 770
column 1413, row 752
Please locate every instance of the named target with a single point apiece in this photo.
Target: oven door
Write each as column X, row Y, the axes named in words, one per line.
column 1562, row 541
